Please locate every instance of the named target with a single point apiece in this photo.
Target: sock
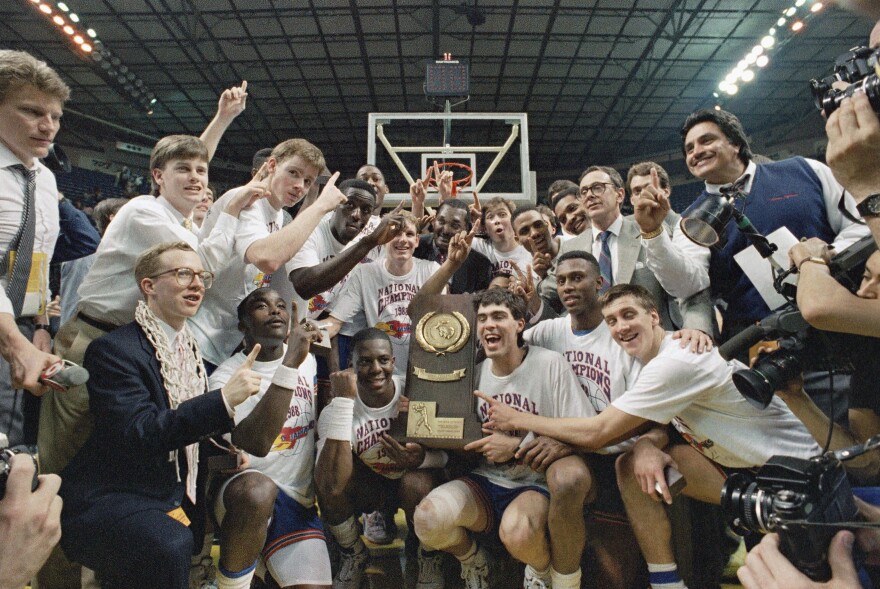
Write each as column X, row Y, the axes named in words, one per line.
column 569, row 581
column 665, row 576
column 472, row 552
column 346, row 533
column 534, row 573
column 235, row 580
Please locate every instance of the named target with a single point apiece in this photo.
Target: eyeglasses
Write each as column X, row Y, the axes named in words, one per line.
column 186, row 276
column 597, row 189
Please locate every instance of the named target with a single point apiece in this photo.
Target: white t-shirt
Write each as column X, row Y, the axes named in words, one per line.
column 384, row 299
column 318, row 248
column 601, row 366
column 695, row 393
column 542, row 385
column 291, row 461
column 518, row 257
column 215, row 324
column 367, row 427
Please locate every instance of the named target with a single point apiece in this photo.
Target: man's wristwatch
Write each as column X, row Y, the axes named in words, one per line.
column 870, row 207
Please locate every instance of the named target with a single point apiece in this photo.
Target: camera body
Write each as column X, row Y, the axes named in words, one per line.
column 797, row 499
column 6, row 467
column 858, row 67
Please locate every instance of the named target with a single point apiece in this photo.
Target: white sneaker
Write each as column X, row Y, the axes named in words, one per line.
column 352, row 564
column 430, row 570
column 378, row 529
column 533, row 581
column 475, row 571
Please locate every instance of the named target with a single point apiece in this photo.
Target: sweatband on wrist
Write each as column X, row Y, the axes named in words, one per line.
column 526, row 439
column 339, row 414
column 285, row 377
column 434, row 459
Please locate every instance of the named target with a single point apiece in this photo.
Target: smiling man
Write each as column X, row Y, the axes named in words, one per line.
column 569, row 211
column 693, row 392
column 614, row 240
column 263, row 245
column 502, row 496
column 799, row 194
column 32, row 96
column 134, row 483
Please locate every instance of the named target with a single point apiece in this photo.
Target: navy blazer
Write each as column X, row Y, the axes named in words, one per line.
column 124, row 467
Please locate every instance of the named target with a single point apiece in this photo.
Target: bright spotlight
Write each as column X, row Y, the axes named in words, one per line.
column 816, row 7
column 68, row 29
column 790, row 11
column 58, row 20
column 757, row 50
column 797, row 26
column 768, row 42
column 747, row 76
column 45, row 8
column 91, row 33
column 732, row 89
column 78, row 39
column 762, row 61
column 86, row 47
column 74, row 17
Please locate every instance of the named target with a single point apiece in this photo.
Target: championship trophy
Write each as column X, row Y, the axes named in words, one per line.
column 440, row 379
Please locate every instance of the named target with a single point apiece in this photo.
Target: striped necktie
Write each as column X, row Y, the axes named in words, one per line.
column 605, row 262
column 23, row 243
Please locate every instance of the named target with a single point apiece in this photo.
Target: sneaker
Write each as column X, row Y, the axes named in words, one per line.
column 352, row 564
column 202, row 573
column 475, row 571
column 378, row 529
column 430, row 570
column 532, row 581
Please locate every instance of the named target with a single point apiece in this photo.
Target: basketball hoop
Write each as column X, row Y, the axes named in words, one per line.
column 463, row 181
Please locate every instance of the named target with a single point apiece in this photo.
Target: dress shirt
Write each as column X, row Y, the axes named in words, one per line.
column 12, row 189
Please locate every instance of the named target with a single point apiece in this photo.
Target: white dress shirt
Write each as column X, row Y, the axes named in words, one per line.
column 109, row 291
column 12, row 190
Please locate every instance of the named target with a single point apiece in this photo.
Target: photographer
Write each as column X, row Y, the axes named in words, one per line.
column 30, row 522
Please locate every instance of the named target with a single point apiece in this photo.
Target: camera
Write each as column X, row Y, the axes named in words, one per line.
column 6, row 467
column 858, row 67
column 800, row 345
column 799, row 499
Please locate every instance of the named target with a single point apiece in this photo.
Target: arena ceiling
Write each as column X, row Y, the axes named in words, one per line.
column 602, row 81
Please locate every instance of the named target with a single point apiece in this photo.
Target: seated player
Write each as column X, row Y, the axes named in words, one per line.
column 132, row 506
column 360, row 467
column 669, row 384
column 382, row 291
column 502, row 496
column 267, row 511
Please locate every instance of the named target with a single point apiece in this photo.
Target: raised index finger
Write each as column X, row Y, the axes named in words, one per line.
column 486, row 398
column 477, row 202
column 332, row 180
column 655, row 179
column 249, row 361
column 244, row 85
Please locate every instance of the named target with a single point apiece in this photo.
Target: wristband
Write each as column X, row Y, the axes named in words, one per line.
column 526, row 439
column 434, row 459
column 43, row 326
column 285, row 377
column 813, row 259
column 653, row 233
column 339, row 414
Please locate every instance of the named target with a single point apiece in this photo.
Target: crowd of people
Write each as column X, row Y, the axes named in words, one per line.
column 247, row 356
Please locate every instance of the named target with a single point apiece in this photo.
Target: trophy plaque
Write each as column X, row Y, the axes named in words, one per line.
column 440, row 379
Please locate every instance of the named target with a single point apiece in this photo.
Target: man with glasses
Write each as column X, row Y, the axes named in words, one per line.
column 132, row 507
column 615, row 242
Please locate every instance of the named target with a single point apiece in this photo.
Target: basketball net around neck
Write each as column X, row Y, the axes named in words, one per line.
column 183, row 381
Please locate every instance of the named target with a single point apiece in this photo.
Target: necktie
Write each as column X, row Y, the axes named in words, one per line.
column 605, row 262
column 188, row 224
column 736, row 189
column 23, row 243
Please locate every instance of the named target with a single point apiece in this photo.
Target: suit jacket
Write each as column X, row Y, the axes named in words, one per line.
column 694, row 313
column 125, row 467
column 474, row 275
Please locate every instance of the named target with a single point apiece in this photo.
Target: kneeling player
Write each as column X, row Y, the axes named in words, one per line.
column 276, row 427
column 360, row 465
